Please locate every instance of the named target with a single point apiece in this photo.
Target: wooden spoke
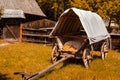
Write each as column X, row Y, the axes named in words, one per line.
column 55, row 54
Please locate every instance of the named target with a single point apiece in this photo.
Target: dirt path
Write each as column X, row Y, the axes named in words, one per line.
column 8, row 42
column 4, row 44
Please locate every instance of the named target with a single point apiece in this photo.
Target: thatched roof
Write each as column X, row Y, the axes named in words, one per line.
column 27, row 6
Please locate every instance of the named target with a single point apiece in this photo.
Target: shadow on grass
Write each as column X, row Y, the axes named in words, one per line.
column 72, row 61
column 78, row 61
column 118, row 50
column 96, row 57
column 66, row 63
column 4, row 77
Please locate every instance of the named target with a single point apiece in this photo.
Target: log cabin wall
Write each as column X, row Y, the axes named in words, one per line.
column 10, row 28
column 1, row 31
column 26, row 10
column 37, row 31
column 14, row 29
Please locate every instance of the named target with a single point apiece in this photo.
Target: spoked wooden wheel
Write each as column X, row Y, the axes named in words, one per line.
column 86, row 62
column 87, row 58
column 103, row 55
column 104, row 50
column 55, row 54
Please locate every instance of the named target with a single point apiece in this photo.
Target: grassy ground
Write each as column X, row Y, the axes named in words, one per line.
column 35, row 57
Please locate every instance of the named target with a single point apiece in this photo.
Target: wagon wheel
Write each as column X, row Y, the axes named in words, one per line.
column 55, row 54
column 87, row 62
column 87, row 58
column 104, row 50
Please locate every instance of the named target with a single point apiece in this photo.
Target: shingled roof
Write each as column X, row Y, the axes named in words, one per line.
column 27, row 6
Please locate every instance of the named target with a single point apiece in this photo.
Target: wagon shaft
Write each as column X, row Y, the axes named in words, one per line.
column 41, row 73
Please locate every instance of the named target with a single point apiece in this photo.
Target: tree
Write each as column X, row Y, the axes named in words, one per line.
column 108, row 9
column 46, row 7
column 53, row 8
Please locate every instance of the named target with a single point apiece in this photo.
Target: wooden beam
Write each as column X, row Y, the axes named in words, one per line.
column 41, row 73
column 20, row 32
column 10, row 31
column 110, row 42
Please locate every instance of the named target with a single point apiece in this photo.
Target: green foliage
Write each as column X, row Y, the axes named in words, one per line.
column 53, row 8
column 46, row 7
column 107, row 9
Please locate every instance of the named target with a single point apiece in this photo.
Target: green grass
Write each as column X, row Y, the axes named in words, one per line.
column 32, row 58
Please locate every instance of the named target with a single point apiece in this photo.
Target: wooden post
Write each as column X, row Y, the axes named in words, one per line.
column 20, row 32
column 110, row 42
column 3, row 36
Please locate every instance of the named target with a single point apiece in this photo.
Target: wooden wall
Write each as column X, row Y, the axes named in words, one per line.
column 37, row 31
column 115, row 38
column 10, row 28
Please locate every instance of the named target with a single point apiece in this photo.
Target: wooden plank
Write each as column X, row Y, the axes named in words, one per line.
column 46, row 28
column 38, row 41
column 38, row 29
column 112, row 34
column 32, row 29
column 36, row 35
column 41, row 73
column 11, row 31
column 21, row 32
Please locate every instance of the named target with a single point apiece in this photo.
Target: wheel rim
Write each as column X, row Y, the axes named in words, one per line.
column 55, row 54
column 86, row 64
column 86, row 60
column 103, row 52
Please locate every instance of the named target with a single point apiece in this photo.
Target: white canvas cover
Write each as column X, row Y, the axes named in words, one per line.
column 92, row 23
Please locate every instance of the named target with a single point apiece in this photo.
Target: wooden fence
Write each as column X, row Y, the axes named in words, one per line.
column 37, row 31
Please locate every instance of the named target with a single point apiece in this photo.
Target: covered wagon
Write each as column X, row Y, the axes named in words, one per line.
column 75, row 32
column 79, row 32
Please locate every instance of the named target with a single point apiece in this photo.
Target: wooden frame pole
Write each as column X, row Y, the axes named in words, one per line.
column 20, row 32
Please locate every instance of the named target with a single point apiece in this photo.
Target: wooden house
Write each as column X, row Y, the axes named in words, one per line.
column 15, row 13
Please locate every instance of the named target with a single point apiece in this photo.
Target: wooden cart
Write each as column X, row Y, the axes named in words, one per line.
column 76, row 33
column 75, row 46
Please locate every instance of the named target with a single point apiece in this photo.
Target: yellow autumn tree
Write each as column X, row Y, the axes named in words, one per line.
column 107, row 9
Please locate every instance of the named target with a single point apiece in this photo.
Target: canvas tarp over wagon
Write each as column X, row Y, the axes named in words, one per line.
column 75, row 32
column 77, row 26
